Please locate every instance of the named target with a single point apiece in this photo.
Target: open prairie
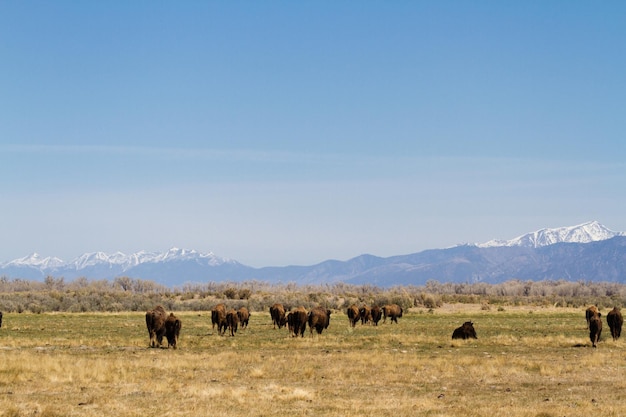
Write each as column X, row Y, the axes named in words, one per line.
column 525, row 362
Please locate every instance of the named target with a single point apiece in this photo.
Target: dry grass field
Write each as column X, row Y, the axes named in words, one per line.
column 526, row 362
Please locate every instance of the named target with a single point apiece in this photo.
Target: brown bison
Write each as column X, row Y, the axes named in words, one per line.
column 589, row 313
column 155, row 322
column 615, row 320
column 595, row 328
column 319, row 319
column 366, row 314
column 353, row 315
column 377, row 314
column 277, row 312
column 466, row 331
column 244, row 317
column 172, row 330
column 159, row 325
column 296, row 320
column 232, row 320
column 218, row 316
column 393, row 311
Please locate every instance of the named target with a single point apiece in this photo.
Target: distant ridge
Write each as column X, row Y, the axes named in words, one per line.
column 103, row 265
column 591, row 231
column 118, row 259
column 588, row 251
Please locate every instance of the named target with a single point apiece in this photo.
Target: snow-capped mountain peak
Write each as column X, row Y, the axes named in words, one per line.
column 592, row 231
column 35, row 260
column 118, row 260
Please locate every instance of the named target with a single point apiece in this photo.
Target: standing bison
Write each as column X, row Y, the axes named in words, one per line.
column 319, row 319
column 377, row 314
column 595, row 328
column 218, row 316
column 366, row 314
column 232, row 320
column 0, row 318
column 296, row 319
column 277, row 312
column 172, row 330
column 590, row 312
column 244, row 317
column 393, row 311
column 466, row 331
column 615, row 320
column 159, row 325
column 353, row 315
column 155, row 322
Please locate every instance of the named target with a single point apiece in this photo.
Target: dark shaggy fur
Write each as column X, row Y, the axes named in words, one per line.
column 277, row 312
column 353, row 315
column 366, row 314
column 218, row 316
column 393, row 311
column 244, row 317
column 615, row 321
column 155, row 322
column 319, row 319
column 377, row 314
column 466, row 331
column 590, row 312
column 595, row 329
column 172, row 330
column 296, row 319
column 232, row 319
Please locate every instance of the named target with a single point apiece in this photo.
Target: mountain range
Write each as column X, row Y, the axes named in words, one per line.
column 588, row 251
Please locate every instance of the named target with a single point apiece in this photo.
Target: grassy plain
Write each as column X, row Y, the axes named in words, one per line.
column 526, row 362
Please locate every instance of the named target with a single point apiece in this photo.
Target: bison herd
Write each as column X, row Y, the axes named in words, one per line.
column 297, row 319
column 594, row 322
column 160, row 324
column 229, row 320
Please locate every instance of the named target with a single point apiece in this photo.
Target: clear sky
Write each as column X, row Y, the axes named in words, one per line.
column 277, row 133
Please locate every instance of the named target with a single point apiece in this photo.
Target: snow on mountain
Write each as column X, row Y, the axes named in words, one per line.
column 588, row 232
column 594, row 252
column 117, row 260
column 176, row 254
column 34, row 260
column 87, row 260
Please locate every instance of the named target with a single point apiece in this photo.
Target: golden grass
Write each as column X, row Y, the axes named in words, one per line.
column 525, row 363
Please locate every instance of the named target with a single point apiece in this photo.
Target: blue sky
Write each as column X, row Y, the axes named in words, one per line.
column 280, row 133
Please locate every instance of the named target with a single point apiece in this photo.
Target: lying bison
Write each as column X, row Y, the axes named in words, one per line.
column 466, row 331
column 353, row 315
column 615, row 320
column 244, row 317
column 159, row 325
column 595, row 328
column 296, row 320
column 232, row 320
column 218, row 316
column 277, row 312
column 319, row 319
column 393, row 311
column 377, row 314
